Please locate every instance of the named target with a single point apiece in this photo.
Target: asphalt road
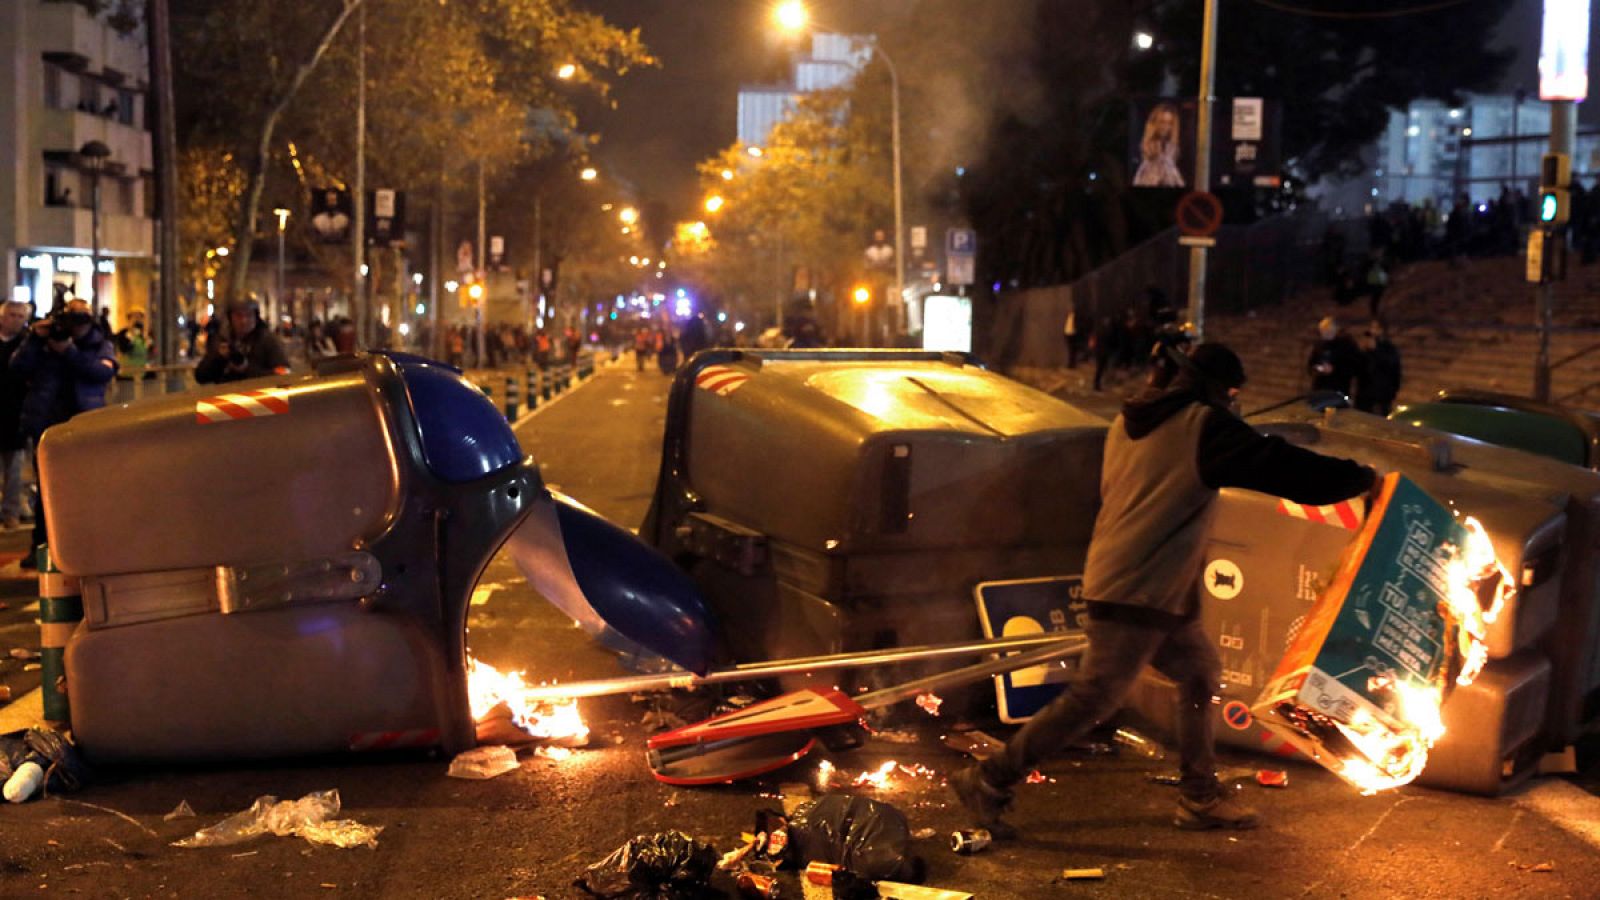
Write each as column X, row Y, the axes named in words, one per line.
column 533, row 831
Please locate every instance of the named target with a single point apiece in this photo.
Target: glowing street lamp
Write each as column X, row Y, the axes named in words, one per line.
column 791, row 16
column 727, row 174
column 566, row 71
column 714, row 203
column 1144, row 40
column 862, row 295
column 754, row 151
column 589, row 173
column 628, row 215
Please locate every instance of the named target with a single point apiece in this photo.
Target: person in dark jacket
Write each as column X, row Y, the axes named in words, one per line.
column 1166, row 456
column 251, row 350
column 13, row 388
column 1381, row 375
column 1335, row 361
column 67, row 361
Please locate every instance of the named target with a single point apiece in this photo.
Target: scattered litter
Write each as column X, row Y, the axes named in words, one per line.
column 1038, row 777
column 1535, row 867
column 1167, row 778
column 894, row 890
column 36, row 757
column 733, row 858
column 483, row 763
column 975, row 744
column 923, row 834
column 665, row 864
column 244, row 854
column 757, row 886
column 24, row 653
column 930, row 703
column 868, row 837
column 556, row 754
column 5, row 693
column 310, row 817
column 1083, row 874
column 970, row 841
column 900, row 736
column 112, row 844
column 1139, row 744
column 182, row 811
column 32, row 667
column 106, row 809
column 795, row 794
column 1272, row 778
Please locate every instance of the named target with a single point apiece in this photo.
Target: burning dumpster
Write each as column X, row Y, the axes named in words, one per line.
column 285, row 567
column 1540, row 518
column 828, row 501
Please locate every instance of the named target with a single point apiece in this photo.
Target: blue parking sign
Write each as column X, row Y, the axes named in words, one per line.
column 1031, row 606
column 960, row 241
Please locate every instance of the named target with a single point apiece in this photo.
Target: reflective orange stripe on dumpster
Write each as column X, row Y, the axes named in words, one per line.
column 394, row 740
column 721, row 380
column 245, row 405
column 1345, row 514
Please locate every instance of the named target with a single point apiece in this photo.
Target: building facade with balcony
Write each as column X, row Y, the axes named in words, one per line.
column 70, row 77
column 834, row 60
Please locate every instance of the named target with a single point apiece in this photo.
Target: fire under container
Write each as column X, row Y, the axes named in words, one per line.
column 283, row 566
column 1268, row 562
column 832, row 501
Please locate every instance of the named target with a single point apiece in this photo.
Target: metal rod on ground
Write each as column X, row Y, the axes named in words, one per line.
column 750, row 671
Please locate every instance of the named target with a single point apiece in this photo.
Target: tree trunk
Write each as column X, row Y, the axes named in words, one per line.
column 244, row 229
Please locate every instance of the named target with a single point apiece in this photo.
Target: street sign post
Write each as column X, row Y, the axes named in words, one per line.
column 961, row 256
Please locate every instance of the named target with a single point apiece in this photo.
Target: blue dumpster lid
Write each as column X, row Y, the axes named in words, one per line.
column 464, row 437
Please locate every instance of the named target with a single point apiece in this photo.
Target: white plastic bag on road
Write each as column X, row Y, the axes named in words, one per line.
column 310, row 817
column 482, row 763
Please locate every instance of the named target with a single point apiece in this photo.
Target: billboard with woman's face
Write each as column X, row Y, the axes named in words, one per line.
column 1162, row 138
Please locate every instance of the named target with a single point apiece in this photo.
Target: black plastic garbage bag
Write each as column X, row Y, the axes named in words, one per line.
column 64, row 768
column 869, row 838
column 665, row 866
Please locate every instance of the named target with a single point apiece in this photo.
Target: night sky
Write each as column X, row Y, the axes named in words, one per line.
column 671, row 117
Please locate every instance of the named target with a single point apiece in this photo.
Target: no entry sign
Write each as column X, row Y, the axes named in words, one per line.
column 1199, row 214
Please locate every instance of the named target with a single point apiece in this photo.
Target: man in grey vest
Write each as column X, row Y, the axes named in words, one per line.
column 1166, row 456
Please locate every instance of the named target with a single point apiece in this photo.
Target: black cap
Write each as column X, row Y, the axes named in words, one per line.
column 1218, row 364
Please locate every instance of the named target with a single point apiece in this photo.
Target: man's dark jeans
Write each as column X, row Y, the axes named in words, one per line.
column 1117, row 652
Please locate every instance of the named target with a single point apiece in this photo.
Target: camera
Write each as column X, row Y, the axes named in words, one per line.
column 236, row 358
column 63, row 324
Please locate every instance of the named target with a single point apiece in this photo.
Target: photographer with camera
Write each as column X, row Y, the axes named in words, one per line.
column 66, row 362
column 250, row 350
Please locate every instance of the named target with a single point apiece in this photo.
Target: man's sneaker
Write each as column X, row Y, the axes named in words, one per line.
column 1221, row 811
column 984, row 801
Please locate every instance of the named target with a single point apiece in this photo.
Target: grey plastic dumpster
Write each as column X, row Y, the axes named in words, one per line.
column 280, row 566
column 1268, row 560
column 844, row 500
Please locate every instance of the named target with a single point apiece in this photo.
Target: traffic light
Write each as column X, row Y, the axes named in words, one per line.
column 1555, row 204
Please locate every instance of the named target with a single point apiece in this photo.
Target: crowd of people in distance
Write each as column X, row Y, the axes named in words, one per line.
column 1358, row 362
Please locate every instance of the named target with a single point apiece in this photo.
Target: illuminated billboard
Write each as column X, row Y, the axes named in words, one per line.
column 1564, row 51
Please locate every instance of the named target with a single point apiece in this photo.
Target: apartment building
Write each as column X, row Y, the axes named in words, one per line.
column 74, row 72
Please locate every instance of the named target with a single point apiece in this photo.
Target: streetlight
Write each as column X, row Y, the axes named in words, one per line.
column 283, row 221
column 628, row 215
column 714, row 203
column 793, row 21
column 589, row 173
column 1144, row 40
column 94, row 155
column 566, row 71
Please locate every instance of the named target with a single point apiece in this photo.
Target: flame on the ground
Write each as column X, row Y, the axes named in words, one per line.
column 488, row 687
column 877, row 778
column 1479, row 588
column 930, row 703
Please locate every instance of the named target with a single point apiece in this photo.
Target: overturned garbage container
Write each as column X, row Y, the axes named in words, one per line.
column 283, row 567
column 841, row 500
column 1269, row 559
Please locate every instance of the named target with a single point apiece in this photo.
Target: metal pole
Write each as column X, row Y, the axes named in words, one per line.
column 94, row 236
column 895, row 307
column 281, row 223
column 166, row 148
column 482, row 251
column 359, row 232
column 628, row 684
column 1563, row 127
column 1202, row 164
column 436, row 248
column 538, row 252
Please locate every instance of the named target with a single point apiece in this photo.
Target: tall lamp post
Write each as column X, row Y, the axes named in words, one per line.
column 283, row 222
column 94, row 156
column 793, row 17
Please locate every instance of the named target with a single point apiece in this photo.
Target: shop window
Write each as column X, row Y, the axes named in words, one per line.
column 126, row 108
column 57, row 191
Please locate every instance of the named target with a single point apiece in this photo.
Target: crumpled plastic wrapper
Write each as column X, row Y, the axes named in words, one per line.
column 310, row 817
column 668, row 865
